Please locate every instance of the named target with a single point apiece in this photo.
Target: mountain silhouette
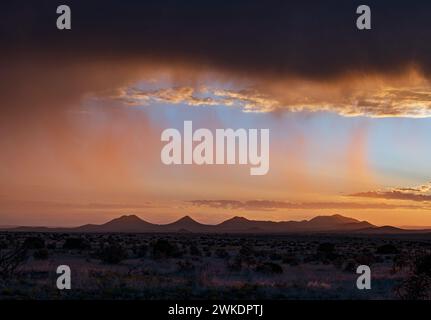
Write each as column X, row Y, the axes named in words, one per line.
column 126, row 223
column 391, row 230
column 186, row 224
column 133, row 224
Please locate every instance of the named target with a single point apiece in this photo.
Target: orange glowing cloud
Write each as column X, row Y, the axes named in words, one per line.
column 407, row 94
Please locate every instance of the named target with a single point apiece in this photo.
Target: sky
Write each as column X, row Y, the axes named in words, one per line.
column 82, row 110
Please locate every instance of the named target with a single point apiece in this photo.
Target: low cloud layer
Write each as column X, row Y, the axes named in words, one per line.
column 378, row 98
column 420, row 193
column 248, row 100
column 265, row 205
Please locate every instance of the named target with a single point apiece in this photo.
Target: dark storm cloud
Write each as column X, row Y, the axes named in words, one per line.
column 272, row 45
column 311, row 39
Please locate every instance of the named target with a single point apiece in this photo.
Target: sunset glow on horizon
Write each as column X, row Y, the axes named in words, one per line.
column 80, row 138
column 100, row 158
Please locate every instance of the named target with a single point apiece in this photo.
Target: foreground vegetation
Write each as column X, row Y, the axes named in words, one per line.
column 193, row 266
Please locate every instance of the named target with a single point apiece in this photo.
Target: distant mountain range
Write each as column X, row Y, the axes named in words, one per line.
column 133, row 224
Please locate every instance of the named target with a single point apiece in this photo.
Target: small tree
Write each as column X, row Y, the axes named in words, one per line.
column 11, row 260
column 417, row 285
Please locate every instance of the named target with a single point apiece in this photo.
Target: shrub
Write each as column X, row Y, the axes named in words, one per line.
column 349, row 265
column 290, row 259
column 11, row 260
column 41, row 254
column 141, row 251
column 246, row 251
column 51, row 246
column 235, row 264
column 423, row 265
column 34, row 243
column 3, row 245
column 326, row 248
column 367, row 259
column 269, row 268
column 326, row 252
column 163, row 248
column 194, row 251
column 417, row 285
column 75, row 244
column 221, row 253
column 207, row 251
column 387, row 249
column 185, row 266
column 275, row 256
column 112, row 253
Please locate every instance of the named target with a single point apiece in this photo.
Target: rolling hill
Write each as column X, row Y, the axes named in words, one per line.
column 133, row 224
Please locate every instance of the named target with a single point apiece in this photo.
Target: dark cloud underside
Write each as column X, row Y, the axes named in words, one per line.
column 313, row 39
